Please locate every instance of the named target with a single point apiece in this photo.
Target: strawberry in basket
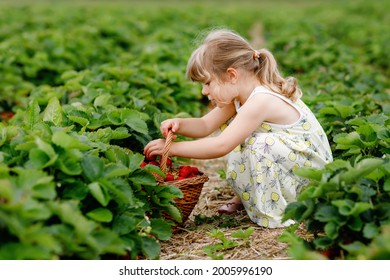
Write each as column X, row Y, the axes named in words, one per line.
column 184, row 171
column 187, row 178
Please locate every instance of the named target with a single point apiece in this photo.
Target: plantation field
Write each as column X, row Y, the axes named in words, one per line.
column 85, row 85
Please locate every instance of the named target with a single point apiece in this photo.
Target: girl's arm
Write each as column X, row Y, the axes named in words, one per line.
column 250, row 116
column 199, row 127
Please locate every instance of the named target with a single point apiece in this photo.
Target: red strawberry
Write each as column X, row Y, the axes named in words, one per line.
column 169, row 162
column 194, row 170
column 142, row 164
column 169, row 177
column 180, row 178
column 185, row 171
column 7, row 115
column 153, row 163
column 151, row 158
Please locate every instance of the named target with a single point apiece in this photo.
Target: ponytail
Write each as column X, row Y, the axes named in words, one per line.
column 268, row 74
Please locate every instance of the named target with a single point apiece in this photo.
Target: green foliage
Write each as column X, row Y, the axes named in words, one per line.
column 344, row 203
column 215, row 251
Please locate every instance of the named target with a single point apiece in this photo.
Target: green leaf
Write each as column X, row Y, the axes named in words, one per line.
column 307, row 193
column 37, row 159
column 323, row 242
column 40, row 184
column 6, row 189
column 344, row 110
column 43, row 156
column 332, row 230
column 64, row 140
column 361, row 169
column 80, row 120
column 167, row 191
column 174, row 212
column 326, row 213
column 120, row 133
column 344, row 206
column 75, row 189
column 108, row 242
column 310, row 173
column 69, row 213
column 142, row 177
column 135, row 160
column 53, row 112
column 161, row 229
column 118, row 155
column 354, row 247
column 150, row 247
column 370, row 230
column 133, row 120
column 119, row 189
column 93, row 167
column 115, row 170
column 36, row 210
column 338, row 164
column 360, row 207
column 346, row 141
column 32, row 114
column 243, row 234
column 386, row 185
column 100, row 215
column 98, row 193
column 355, row 223
column 102, row 100
column 126, row 222
column 69, row 162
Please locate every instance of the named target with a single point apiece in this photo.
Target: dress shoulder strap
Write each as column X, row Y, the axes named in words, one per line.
column 262, row 89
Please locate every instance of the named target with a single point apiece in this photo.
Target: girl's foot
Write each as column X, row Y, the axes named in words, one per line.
column 231, row 207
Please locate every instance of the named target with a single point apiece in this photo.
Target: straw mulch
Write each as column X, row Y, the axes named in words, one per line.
column 188, row 242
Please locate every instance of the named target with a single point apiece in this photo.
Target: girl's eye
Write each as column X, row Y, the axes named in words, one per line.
column 207, row 83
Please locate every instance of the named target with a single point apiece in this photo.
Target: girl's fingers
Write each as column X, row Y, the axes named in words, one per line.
column 154, row 148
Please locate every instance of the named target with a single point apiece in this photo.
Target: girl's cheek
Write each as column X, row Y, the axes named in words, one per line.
column 216, row 93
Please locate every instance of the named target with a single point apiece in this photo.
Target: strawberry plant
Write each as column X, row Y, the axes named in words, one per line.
column 347, row 202
column 59, row 183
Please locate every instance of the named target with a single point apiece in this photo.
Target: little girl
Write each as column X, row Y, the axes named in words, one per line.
column 270, row 131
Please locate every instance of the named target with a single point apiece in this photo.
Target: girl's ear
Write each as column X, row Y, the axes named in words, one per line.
column 232, row 75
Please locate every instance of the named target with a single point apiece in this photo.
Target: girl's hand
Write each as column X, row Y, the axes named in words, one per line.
column 154, row 148
column 170, row 124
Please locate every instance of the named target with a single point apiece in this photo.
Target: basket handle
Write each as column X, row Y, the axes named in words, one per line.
column 164, row 156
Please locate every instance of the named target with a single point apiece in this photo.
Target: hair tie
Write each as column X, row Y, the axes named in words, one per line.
column 256, row 55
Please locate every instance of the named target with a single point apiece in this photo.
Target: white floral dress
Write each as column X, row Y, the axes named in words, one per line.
column 260, row 170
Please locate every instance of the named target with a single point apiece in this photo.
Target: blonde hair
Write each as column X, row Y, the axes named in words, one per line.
column 222, row 49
